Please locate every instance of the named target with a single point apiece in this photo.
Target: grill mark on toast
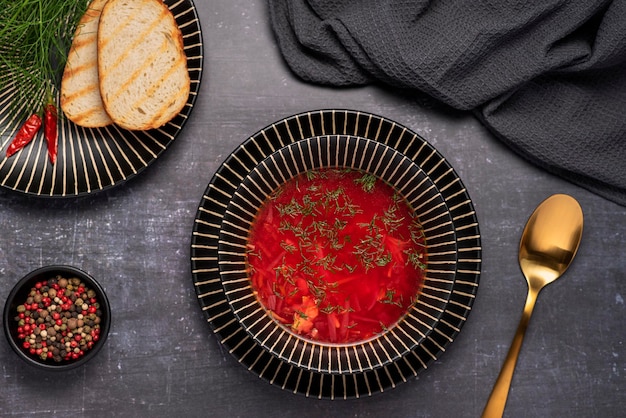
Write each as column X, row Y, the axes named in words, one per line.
column 76, row 70
column 138, row 38
column 164, row 78
column 85, row 114
column 80, row 45
column 83, row 40
column 102, row 43
column 163, row 109
column 182, row 93
column 149, row 60
column 69, row 98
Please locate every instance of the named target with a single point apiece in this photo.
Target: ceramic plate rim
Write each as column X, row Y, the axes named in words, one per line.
column 206, row 274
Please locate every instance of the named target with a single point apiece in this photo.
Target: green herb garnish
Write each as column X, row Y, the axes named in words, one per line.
column 367, row 182
column 35, row 36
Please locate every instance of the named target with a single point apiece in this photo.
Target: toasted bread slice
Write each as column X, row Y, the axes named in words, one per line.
column 80, row 92
column 142, row 66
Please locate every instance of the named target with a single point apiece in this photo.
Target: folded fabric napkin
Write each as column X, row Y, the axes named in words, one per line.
column 547, row 77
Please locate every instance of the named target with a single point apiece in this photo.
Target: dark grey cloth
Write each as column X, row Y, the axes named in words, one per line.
column 548, row 77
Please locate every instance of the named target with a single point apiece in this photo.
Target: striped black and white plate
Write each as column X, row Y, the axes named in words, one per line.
column 91, row 160
column 335, row 138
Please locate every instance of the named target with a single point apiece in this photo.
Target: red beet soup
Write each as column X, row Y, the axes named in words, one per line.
column 336, row 255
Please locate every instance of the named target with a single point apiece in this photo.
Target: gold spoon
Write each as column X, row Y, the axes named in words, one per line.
column 548, row 246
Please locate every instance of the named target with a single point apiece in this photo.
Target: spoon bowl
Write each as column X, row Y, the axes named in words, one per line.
column 550, row 239
column 548, row 245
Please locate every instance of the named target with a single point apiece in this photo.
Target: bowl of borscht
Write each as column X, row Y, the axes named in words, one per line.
column 337, row 265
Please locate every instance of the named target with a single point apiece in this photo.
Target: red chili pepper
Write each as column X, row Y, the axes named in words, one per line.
column 25, row 134
column 50, row 130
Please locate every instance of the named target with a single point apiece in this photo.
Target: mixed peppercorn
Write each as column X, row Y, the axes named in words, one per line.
column 60, row 319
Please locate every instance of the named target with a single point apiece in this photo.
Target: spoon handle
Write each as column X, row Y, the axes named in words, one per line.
column 500, row 392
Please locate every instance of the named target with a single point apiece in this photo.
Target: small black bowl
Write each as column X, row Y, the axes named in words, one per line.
column 19, row 295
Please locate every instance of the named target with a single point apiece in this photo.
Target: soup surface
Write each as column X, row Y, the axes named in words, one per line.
column 336, row 255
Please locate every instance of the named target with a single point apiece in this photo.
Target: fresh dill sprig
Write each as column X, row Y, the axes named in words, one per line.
column 367, row 182
column 35, row 36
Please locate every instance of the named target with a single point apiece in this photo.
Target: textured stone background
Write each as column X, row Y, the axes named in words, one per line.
column 161, row 358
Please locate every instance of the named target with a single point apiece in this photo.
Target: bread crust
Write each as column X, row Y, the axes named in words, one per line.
column 142, row 67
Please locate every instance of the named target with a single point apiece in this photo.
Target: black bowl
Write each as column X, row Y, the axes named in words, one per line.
column 19, row 295
column 350, row 139
column 406, row 178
